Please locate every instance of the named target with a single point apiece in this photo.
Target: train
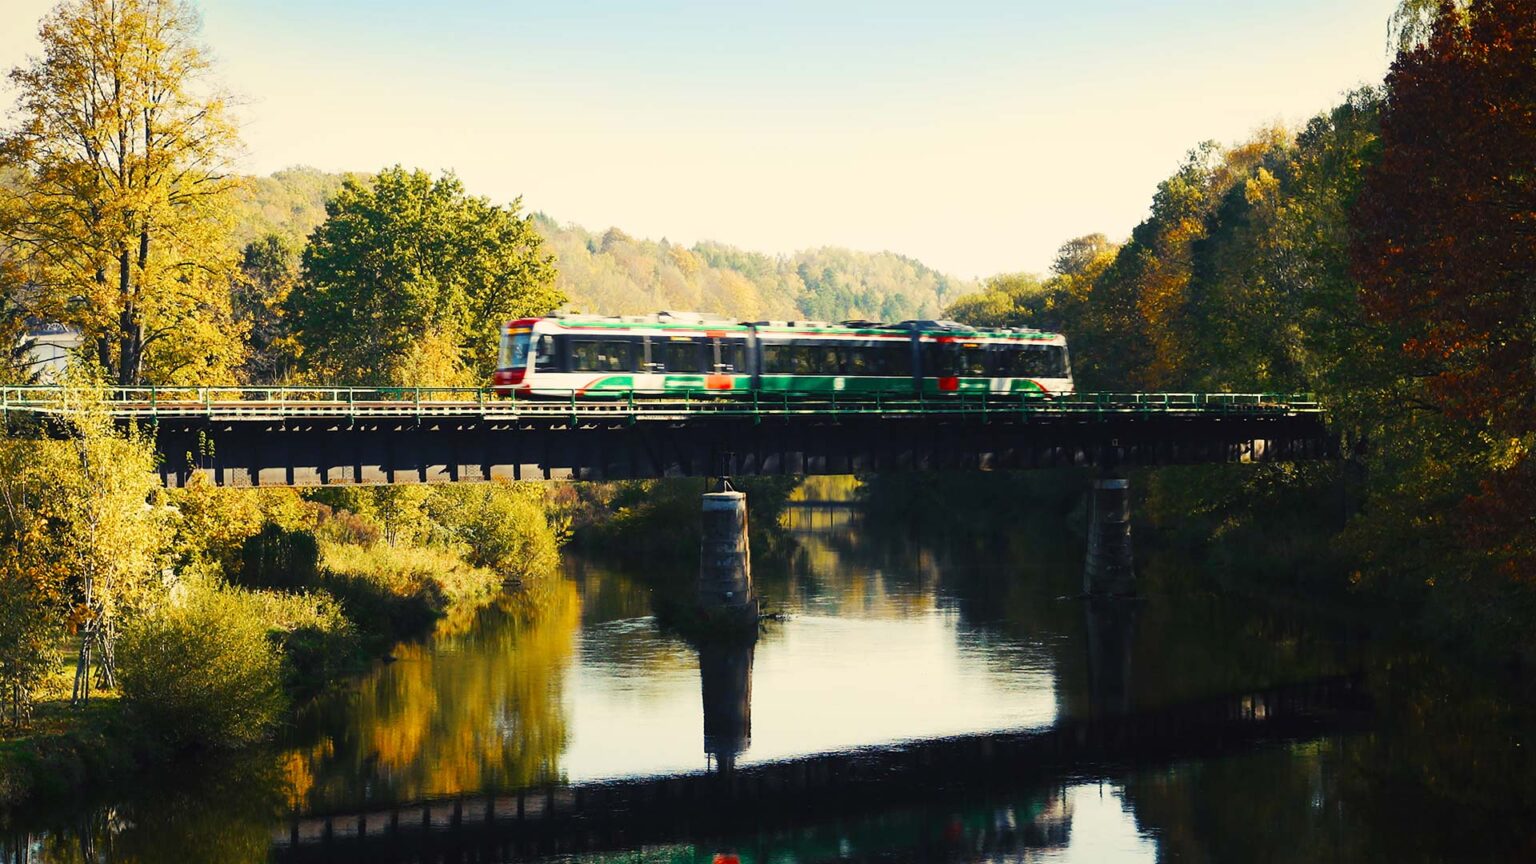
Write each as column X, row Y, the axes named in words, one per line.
column 691, row 353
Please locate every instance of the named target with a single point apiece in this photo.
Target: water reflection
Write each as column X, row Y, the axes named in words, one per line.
column 725, row 685
column 482, row 709
column 901, row 626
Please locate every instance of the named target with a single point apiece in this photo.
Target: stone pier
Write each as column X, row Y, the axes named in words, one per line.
column 725, row 559
column 1108, row 571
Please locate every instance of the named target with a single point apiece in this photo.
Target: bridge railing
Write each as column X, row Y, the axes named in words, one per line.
column 281, row 403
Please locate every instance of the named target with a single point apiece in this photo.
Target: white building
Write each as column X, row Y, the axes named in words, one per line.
column 48, row 348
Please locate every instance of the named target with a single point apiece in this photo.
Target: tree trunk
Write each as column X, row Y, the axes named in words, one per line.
column 82, row 692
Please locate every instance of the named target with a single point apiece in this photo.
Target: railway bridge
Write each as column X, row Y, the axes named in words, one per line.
column 312, row 436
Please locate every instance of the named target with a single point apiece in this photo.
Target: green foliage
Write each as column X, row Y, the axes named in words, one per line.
column 503, row 526
column 1009, row 300
column 394, row 593
column 201, row 672
column 657, row 521
column 408, row 278
column 280, row 557
column 268, row 271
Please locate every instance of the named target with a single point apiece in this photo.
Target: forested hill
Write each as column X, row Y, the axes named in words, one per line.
column 609, row 272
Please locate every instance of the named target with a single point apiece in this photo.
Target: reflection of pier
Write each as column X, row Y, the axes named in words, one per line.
column 725, row 680
column 815, row 789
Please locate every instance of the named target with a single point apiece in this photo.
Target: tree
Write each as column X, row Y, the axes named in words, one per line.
column 266, row 277
column 409, row 276
column 106, row 529
column 1414, row 20
column 122, row 213
column 1446, row 249
column 32, row 578
column 1077, row 255
column 1006, row 300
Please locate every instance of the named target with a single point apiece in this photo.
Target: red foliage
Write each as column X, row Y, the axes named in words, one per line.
column 1445, row 244
column 1446, row 221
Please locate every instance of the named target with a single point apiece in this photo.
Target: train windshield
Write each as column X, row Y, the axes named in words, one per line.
column 514, row 350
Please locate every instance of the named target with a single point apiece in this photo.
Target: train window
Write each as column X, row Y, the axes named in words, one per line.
column 897, row 358
column 601, row 355
column 679, row 356
column 775, row 359
column 858, row 360
column 825, row 361
column 789, row 359
column 973, row 361
column 547, row 357
column 939, row 360
column 1031, row 361
column 732, row 356
column 515, row 350
column 1056, row 361
column 951, row 359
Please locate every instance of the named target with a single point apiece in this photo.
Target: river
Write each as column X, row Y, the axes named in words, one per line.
column 887, row 637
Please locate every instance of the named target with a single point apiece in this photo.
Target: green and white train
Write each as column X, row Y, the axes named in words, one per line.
column 680, row 352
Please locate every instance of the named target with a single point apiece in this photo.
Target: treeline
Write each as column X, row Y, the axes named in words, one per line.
column 613, row 273
column 1382, row 257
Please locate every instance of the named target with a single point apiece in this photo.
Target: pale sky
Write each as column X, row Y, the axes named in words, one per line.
column 975, row 135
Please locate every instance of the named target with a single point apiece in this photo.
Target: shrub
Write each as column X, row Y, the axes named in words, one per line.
column 278, row 557
column 202, row 673
column 506, row 527
column 319, row 645
column 396, row 592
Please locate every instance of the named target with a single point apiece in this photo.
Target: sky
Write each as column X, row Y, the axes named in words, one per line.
column 974, row 135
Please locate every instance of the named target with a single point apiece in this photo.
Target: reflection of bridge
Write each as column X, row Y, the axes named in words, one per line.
column 315, row 436
column 627, row 814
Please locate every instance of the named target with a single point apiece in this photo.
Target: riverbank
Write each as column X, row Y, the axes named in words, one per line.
column 329, row 624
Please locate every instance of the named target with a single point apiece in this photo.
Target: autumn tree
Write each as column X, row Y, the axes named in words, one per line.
column 32, row 578
column 408, row 277
column 105, row 529
column 1446, row 248
column 121, row 214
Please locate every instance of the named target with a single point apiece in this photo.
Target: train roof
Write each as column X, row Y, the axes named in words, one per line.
column 667, row 319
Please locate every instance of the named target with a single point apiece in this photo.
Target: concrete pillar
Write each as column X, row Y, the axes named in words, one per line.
column 1108, row 571
column 725, row 562
column 725, row 681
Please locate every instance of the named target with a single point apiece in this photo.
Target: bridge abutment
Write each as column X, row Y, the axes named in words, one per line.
column 1108, row 571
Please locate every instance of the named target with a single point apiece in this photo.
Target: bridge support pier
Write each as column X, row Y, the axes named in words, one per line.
column 725, row 560
column 1108, row 571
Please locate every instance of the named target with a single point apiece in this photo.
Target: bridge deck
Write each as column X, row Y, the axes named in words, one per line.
column 305, row 403
column 266, row 436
